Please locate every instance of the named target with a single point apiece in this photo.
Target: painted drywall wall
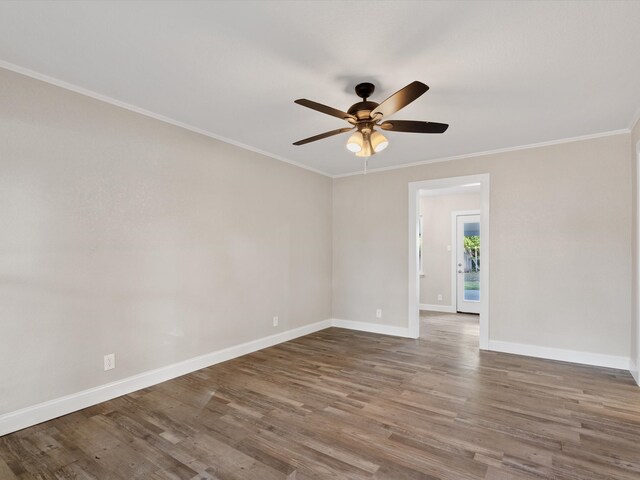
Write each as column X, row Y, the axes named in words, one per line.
column 635, row 314
column 436, row 219
column 560, row 242
column 122, row 234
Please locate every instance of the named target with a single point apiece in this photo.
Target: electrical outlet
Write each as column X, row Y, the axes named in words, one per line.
column 275, row 321
column 379, row 313
column 109, row 361
column 439, row 297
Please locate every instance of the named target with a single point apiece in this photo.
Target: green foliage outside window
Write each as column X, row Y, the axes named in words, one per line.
column 472, row 249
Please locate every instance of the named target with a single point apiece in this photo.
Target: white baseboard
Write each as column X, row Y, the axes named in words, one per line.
column 633, row 368
column 26, row 417
column 373, row 328
column 438, row 308
column 573, row 356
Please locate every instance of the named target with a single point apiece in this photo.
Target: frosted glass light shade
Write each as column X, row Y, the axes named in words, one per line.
column 379, row 142
column 355, row 142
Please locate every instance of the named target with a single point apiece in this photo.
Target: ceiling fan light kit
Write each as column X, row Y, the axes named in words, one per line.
column 365, row 116
column 367, row 149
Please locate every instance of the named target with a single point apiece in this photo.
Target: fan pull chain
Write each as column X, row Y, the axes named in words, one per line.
column 366, row 162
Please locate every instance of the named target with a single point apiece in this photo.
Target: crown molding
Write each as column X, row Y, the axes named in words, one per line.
column 147, row 113
column 490, row 152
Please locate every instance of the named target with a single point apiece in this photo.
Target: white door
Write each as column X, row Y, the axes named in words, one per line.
column 468, row 263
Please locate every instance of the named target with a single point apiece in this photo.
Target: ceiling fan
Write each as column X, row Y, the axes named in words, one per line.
column 365, row 116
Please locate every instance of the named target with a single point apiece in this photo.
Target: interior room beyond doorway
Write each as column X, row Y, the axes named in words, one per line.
column 449, row 254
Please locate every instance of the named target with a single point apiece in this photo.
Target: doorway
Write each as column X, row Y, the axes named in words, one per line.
column 414, row 250
column 467, row 263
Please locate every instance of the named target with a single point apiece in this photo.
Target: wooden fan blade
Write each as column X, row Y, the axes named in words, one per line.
column 414, row 126
column 324, row 109
column 323, row 135
column 400, row 99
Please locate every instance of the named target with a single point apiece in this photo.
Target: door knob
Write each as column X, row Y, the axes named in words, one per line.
column 459, row 271
column 459, row 264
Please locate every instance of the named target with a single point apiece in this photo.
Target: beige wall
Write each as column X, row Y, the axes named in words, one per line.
column 124, row 234
column 560, row 243
column 436, row 218
column 635, row 323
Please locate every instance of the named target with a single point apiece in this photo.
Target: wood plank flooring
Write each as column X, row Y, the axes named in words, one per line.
column 347, row 405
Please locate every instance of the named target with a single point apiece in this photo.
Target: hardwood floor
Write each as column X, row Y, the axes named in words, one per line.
column 348, row 405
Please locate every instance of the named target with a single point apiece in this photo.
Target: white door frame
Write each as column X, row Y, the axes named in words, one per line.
column 454, row 256
column 414, row 279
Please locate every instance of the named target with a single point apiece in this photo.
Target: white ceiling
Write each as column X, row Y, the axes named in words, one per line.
column 502, row 74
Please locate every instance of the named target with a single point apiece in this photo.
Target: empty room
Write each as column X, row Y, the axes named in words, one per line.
column 264, row 240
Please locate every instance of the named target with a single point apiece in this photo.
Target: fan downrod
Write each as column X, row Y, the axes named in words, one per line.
column 365, row 90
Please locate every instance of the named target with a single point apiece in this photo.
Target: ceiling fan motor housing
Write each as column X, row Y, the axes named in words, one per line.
column 362, row 110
